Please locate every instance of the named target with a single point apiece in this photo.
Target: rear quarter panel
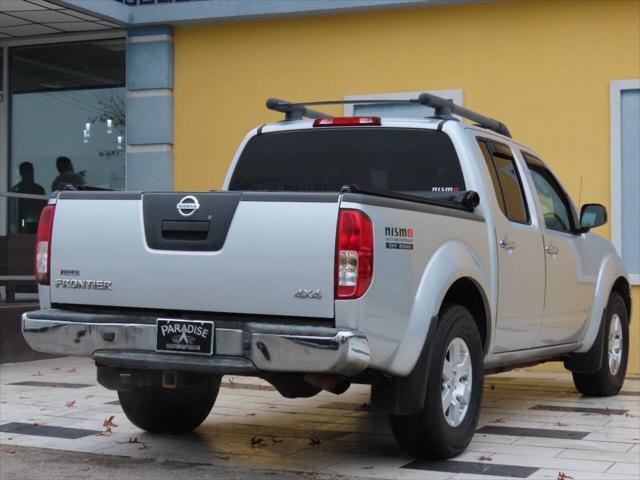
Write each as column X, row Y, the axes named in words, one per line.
column 410, row 284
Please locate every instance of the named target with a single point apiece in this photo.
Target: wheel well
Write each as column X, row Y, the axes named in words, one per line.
column 622, row 287
column 467, row 293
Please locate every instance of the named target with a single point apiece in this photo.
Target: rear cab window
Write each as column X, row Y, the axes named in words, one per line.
column 410, row 161
column 506, row 180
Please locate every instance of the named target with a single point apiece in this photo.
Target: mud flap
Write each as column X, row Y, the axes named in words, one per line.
column 406, row 395
column 590, row 361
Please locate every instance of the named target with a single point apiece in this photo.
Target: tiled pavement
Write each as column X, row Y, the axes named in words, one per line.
column 533, row 425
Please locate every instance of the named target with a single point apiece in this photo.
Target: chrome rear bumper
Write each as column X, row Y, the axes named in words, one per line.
column 330, row 351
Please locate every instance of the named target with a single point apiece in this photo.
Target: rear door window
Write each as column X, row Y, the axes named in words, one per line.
column 411, row 161
column 506, row 180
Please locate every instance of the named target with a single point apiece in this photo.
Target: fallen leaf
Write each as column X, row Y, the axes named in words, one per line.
column 143, row 445
column 11, row 451
column 564, row 476
column 109, row 422
column 257, row 442
column 485, row 458
column 87, row 460
column 37, row 374
column 72, row 370
column 55, row 369
column 106, row 433
column 499, row 420
column 222, row 457
column 314, row 441
column 560, row 424
column 70, row 404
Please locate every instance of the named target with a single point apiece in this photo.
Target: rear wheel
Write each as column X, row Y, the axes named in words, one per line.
column 445, row 425
column 176, row 410
column 609, row 378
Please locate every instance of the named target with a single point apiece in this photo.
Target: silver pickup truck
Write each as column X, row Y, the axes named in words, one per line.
column 416, row 256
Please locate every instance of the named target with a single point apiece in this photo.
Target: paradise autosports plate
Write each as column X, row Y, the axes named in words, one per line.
column 184, row 336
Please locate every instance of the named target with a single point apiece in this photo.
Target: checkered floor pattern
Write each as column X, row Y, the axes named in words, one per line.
column 534, row 425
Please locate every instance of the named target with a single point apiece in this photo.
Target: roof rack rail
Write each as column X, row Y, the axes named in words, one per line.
column 444, row 108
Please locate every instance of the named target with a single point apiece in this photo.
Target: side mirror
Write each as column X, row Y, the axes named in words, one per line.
column 592, row 215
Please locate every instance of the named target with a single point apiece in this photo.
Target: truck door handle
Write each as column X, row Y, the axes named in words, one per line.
column 507, row 244
column 551, row 249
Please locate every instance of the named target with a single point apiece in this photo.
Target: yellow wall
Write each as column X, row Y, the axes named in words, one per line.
column 544, row 68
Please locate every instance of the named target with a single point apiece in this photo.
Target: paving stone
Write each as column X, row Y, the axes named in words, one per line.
column 532, row 425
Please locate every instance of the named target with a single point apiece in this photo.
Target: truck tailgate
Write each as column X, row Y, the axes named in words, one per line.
column 237, row 252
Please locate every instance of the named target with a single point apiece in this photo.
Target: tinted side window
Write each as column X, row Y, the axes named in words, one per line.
column 506, row 181
column 556, row 207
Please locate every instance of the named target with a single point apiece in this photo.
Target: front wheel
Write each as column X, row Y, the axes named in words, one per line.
column 177, row 410
column 445, row 425
column 609, row 378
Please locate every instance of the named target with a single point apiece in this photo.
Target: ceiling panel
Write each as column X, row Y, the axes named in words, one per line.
column 79, row 26
column 21, row 18
column 44, row 16
column 79, row 15
column 17, row 5
column 10, row 21
column 26, row 30
column 46, row 4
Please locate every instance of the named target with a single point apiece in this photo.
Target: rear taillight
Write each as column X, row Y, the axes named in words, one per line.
column 345, row 121
column 354, row 254
column 43, row 245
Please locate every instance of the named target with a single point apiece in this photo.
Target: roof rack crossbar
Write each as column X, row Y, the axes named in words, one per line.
column 294, row 111
column 444, row 108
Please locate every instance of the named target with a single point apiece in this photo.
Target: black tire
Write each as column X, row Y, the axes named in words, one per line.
column 427, row 433
column 161, row 410
column 604, row 383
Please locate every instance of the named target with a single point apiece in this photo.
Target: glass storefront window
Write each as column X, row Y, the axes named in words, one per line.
column 67, row 122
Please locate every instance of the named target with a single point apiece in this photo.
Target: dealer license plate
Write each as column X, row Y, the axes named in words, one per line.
column 184, row 336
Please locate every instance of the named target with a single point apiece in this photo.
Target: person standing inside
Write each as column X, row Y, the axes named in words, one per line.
column 66, row 175
column 28, row 209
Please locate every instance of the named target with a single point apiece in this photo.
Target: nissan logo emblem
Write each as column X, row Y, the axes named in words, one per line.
column 188, row 205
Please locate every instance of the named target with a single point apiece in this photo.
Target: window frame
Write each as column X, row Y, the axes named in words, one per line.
column 519, row 174
column 615, row 214
column 5, row 102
